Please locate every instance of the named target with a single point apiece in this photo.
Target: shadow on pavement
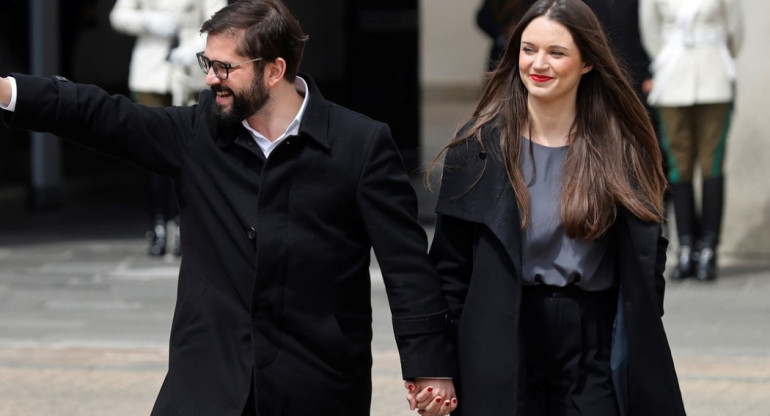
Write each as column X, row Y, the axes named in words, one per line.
column 116, row 210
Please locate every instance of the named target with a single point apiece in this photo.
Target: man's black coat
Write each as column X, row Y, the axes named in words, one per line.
column 274, row 283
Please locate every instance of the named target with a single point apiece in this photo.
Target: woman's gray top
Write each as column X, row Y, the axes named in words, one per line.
column 549, row 256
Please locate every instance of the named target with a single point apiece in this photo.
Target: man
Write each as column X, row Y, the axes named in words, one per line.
column 497, row 18
column 282, row 195
column 162, row 31
column 621, row 23
column 620, row 19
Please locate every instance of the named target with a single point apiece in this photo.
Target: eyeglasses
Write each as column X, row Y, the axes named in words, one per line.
column 221, row 69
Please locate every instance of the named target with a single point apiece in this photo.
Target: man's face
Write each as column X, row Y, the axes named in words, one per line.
column 243, row 93
column 234, row 105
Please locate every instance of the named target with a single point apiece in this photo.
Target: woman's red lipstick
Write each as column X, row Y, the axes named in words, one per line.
column 540, row 78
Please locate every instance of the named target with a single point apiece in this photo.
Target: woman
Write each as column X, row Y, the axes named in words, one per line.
column 548, row 237
column 693, row 44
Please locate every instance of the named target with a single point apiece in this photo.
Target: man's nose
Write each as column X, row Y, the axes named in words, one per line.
column 211, row 78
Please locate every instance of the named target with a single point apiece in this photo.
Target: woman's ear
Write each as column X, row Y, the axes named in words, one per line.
column 586, row 69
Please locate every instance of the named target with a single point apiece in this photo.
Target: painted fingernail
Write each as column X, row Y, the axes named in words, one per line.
column 411, row 387
column 430, row 389
column 438, row 399
column 454, row 401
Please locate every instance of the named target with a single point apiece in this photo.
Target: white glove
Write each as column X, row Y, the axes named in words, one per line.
column 160, row 24
column 184, row 54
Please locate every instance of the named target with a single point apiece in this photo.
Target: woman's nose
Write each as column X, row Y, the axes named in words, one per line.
column 541, row 61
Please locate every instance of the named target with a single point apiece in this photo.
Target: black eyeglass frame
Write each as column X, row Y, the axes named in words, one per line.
column 205, row 63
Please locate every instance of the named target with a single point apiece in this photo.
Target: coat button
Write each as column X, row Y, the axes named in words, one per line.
column 251, row 233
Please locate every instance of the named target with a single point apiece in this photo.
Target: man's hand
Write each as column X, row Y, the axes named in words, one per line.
column 184, row 55
column 431, row 396
column 160, row 24
column 647, row 86
column 5, row 92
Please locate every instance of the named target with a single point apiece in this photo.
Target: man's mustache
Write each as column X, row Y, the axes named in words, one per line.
column 219, row 88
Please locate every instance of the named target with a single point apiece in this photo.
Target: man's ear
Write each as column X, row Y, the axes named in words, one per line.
column 274, row 71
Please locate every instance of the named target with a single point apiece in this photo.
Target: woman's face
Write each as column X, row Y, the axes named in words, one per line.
column 550, row 64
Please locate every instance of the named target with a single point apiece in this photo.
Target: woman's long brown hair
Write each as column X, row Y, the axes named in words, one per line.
column 613, row 156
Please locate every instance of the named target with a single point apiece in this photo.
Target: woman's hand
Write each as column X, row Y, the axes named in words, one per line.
column 431, row 396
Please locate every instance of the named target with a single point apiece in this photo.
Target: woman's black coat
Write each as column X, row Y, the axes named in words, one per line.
column 477, row 250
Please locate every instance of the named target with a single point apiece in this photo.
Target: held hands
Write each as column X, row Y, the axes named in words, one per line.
column 431, row 396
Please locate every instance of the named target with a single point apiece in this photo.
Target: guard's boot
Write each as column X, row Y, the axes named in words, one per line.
column 706, row 269
column 177, row 249
column 157, row 237
column 684, row 212
column 686, row 259
column 711, row 223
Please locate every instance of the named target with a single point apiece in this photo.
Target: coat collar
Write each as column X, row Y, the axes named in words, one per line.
column 475, row 188
column 314, row 124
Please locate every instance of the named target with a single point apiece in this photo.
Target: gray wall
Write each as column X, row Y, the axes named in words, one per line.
column 746, row 228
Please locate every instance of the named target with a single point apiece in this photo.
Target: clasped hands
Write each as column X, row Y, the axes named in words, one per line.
column 431, row 396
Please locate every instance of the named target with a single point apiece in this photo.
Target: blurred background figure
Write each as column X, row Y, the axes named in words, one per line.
column 693, row 44
column 167, row 37
column 620, row 20
column 497, row 18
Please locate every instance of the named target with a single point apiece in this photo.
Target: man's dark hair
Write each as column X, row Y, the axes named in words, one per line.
column 267, row 28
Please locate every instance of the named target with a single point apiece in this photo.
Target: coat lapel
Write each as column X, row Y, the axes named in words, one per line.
column 643, row 238
column 475, row 188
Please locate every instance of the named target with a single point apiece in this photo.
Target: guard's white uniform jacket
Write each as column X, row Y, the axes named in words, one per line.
column 150, row 70
column 693, row 44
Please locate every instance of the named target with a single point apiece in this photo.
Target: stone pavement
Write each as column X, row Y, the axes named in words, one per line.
column 84, row 325
column 85, row 314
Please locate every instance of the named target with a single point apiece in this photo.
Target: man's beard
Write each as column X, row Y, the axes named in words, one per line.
column 244, row 104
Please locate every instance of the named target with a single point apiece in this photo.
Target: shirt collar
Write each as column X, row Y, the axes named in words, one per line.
column 291, row 130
